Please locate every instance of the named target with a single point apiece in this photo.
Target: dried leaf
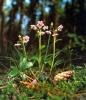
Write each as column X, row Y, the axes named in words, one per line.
column 64, row 75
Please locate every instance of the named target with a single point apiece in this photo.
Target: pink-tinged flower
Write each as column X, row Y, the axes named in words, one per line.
column 34, row 82
column 45, row 28
column 26, row 39
column 60, row 27
column 33, row 27
column 48, row 32
column 17, row 45
column 40, row 24
column 42, row 33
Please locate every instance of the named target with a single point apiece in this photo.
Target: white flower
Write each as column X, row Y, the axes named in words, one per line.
column 42, row 33
column 60, row 27
column 34, row 82
column 17, row 45
column 45, row 28
column 26, row 39
column 33, row 27
column 48, row 32
column 40, row 24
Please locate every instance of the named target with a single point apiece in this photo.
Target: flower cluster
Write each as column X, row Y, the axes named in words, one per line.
column 40, row 26
column 64, row 75
column 44, row 29
column 59, row 28
column 23, row 39
column 26, row 39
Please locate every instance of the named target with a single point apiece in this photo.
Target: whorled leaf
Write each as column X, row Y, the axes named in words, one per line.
column 25, row 64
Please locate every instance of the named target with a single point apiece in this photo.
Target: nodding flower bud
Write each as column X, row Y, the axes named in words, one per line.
column 56, row 30
column 20, row 38
column 51, row 24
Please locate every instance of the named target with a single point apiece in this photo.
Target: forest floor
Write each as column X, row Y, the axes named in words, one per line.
column 80, row 95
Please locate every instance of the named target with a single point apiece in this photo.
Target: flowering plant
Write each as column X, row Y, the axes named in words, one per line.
column 23, row 61
column 42, row 29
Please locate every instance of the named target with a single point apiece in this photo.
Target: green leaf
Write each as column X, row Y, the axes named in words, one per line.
column 29, row 64
column 42, row 47
column 58, row 62
column 24, row 64
column 14, row 72
column 9, row 88
column 71, row 35
column 34, row 58
column 1, row 82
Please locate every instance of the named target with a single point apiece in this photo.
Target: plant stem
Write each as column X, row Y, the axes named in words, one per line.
column 70, row 54
column 46, row 51
column 54, row 47
column 47, row 46
column 24, row 50
column 40, row 50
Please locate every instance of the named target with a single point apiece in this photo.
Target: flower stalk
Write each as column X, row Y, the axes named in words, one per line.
column 54, row 48
column 23, row 40
column 42, row 29
column 60, row 27
column 48, row 43
column 39, row 49
column 24, row 50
